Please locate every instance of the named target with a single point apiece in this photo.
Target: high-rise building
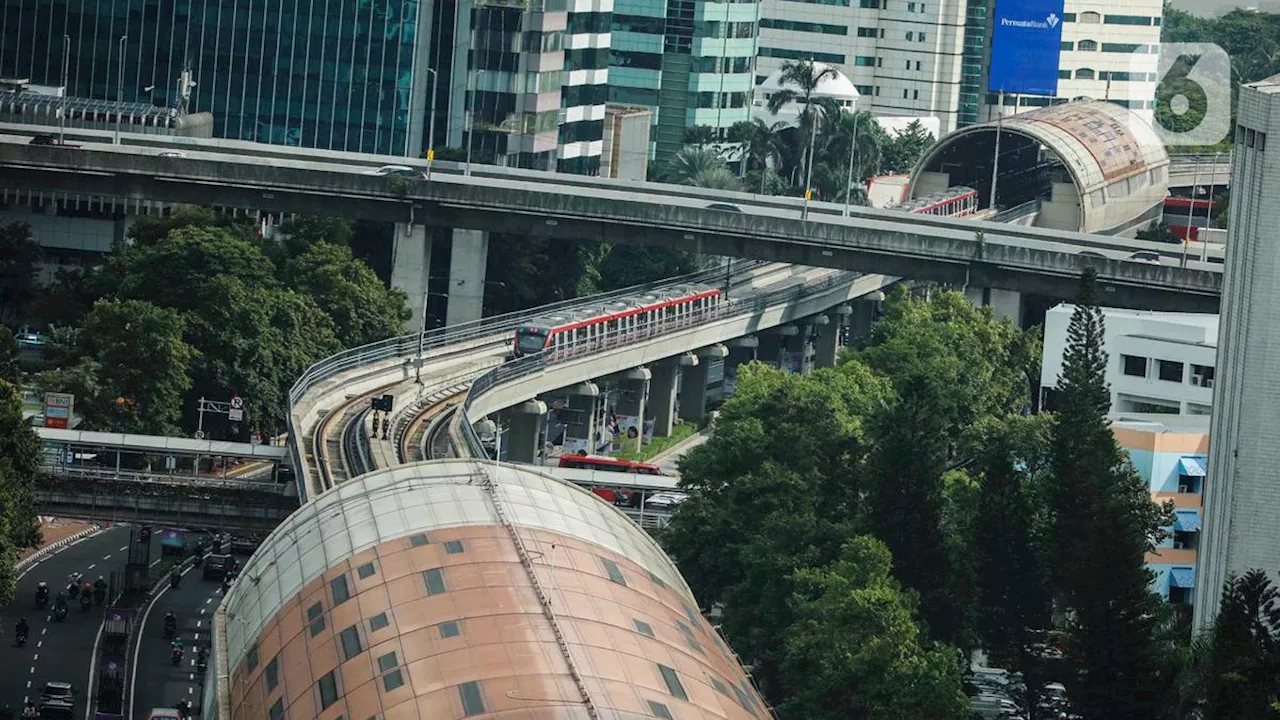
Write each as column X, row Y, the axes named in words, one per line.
column 690, row 61
column 1243, row 500
column 313, row 73
column 1109, row 52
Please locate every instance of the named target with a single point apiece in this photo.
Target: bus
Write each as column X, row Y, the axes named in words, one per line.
column 603, row 462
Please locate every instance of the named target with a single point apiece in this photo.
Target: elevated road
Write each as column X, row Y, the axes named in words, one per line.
column 880, row 241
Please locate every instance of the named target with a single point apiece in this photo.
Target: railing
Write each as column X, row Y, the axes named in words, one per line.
column 525, row 366
column 1015, row 212
column 406, row 346
column 111, row 474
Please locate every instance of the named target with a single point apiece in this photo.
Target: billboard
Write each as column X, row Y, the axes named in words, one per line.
column 57, row 409
column 1026, row 41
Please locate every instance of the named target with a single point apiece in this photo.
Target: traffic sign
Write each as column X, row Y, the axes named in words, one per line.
column 237, row 403
column 235, row 415
column 199, row 434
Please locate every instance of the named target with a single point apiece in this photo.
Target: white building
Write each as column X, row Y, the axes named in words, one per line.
column 902, row 57
column 930, row 58
column 1110, row 51
column 1159, row 362
column 1242, row 503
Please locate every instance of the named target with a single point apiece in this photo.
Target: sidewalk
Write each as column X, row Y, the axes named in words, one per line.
column 54, row 529
column 669, row 459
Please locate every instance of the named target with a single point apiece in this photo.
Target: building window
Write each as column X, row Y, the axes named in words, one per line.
column 1066, row 45
column 366, row 570
column 921, row 36
column 435, row 581
column 448, row 629
column 1087, row 45
column 379, row 621
column 1089, row 16
column 864, row 61
column 472, row 701
column 453, row 547
column 386, row 662
column 1128, row 20
column 657, row 580
column 272, row 673
column 277, row 710
column 915, row 94
column 660, row 711
column 350, row 639
column 1202, row 375
column 1084, row 74
column 419, row 540
column 910, row 35
column 643, row 627
column 615, row 573
column 341, row 592
column 328, row 690
column 315, row 614
column 251, row 658
column 904, row 93
column 865, row 32
column 673, row 682
column 1170, row 370
column 392, row 680
column 1134, row 365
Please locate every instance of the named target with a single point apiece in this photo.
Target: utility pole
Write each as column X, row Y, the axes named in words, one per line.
column 995, row 163
column 853, row 149
column 66, row 66
column 431, row 141
column 120, row 91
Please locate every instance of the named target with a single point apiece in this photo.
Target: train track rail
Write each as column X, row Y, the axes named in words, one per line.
column 421, row 434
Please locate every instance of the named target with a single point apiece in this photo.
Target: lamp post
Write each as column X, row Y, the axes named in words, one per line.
column 853, row 148
column 66, row 66
column 471, row 119
column 431, row 132
column 422, row 335
column 120, row 91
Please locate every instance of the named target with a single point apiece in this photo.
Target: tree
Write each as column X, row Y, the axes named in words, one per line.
column 10, row 364
column 840, row 133
column 627, row 265
column 904, row 502
column 700, row 136
column 1013, row 601
column 176, row 271
column 19, row 254
column 798, row 82
column 854, row 650
column 775, row 488
column 902, row 151
column 148, row 230
column 363, row 310
column 144, row 365
column 1104, row 523
column 691, row 164
column 761, row 147
column 1158, row 233
column 20, row 450
column 1241, row 673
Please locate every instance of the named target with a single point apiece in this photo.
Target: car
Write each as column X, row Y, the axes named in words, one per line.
column 51, row 140
column 243, row 545
column 1091, row 253
column 57, row 700
column 725, row 207
column 172, row 154
column 1147, row 256
column 403, row 171
column 216, row 567
column 164, row 714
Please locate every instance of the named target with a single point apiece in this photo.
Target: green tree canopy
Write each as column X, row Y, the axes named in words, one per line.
column 902, row 150
column 854, row 650
column 1241, row 674
column 19, row 254
column 363, row 310
column 10, row 367
column 19, row 463
column 180, row 269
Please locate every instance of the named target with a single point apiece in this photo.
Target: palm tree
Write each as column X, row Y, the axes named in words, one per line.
column 840, row 132
column 797, row 83
column 690, row 162
column 717, row 178
column 699, row 135
column 761, row 144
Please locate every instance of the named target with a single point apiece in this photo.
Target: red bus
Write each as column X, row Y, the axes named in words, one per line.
column 602, row 462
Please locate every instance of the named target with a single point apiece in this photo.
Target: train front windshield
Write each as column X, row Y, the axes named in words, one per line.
column 530, row 341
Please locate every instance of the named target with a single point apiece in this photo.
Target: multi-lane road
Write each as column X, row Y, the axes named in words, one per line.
column 57, row 651
column 158, row 682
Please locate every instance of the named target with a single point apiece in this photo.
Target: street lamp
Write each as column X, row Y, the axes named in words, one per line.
column 120, row 91
column 431, row 126
column 853, row 148
column 422, row 335
column 471, row 119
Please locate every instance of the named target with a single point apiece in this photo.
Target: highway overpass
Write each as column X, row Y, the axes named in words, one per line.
column 964, row 254
column 1200, row 170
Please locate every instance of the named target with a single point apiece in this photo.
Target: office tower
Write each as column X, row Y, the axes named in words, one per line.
column 329, row 74
column 689, row 61
column 1242, row 495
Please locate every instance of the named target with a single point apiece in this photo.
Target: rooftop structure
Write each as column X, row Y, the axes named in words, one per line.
column 1159, row 362
column 463, row 588
column 1092, row 166
column 837, row 87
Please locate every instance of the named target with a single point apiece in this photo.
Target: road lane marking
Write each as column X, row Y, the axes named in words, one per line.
column 36, row 658
column 208, row 600
column 126, row 547
column 93, row 566
column 190, row 691
column 155, row 562
column 39, row 644
column 198, row 623
column 33, row 670
column 28, row 684
column 106, row 557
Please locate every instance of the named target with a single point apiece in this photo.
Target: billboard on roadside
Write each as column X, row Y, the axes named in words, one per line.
column 1026, row 43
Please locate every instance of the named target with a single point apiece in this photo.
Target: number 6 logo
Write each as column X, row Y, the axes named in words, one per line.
column 1193, row 97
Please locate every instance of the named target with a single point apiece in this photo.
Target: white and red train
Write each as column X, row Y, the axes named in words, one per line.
column 627, row 318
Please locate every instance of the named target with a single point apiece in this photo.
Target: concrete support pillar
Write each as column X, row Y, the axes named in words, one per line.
column 579, row 417
column 863, row 317
column 693, row 384
column 522, row 441
column 123, row 224
column 467, row 263
column 741, row 350
column 777, row 345
column 411, row 266
column 631, row 407
column 810, row 327
column 827, row 347
column 1003, row 303
column 662, row 392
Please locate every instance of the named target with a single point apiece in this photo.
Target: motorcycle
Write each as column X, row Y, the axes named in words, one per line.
column 60, row 612
column 21, row 637
column 99, row 596
column 176, row 655
column 85, row 602
column 73, row 590
column 42, row 598
column 174, row 580
column 202, row 664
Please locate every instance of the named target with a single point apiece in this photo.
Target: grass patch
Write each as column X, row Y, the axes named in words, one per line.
column 681, row 432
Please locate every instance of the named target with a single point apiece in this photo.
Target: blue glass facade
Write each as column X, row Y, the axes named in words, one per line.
column 332, row 74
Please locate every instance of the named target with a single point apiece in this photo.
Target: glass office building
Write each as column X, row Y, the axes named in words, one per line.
column 332, row 74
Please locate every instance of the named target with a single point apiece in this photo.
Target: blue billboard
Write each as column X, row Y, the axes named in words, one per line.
column 1026, row 40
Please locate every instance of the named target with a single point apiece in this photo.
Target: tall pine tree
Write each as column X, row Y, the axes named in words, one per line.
column 1105, row 521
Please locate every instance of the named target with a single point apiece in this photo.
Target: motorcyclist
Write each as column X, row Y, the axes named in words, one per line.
column 86, row 596
column 175, row 575
column 60, row 602
column 170, row 623
column 100, row 590
column 29, row 711
column 21, row 630
column 42, row 593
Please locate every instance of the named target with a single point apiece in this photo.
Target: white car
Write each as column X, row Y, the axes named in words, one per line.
column 1146, row 256
column 172, row 154
column 664, row 501
column 396, row 171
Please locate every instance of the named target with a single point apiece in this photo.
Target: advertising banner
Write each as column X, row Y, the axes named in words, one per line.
column 1026, row 42
column 575, row 446
column 57, row 409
